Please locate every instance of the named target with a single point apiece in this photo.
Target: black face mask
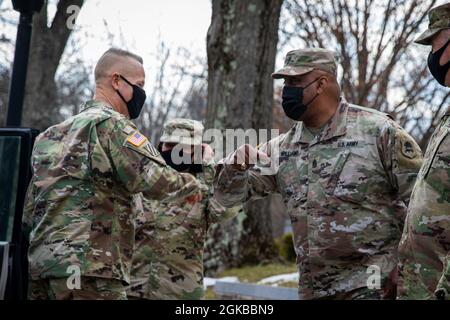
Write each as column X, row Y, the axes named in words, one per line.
column 182, row 167
column 136, row 103
column 293, row 105
column 439, row 72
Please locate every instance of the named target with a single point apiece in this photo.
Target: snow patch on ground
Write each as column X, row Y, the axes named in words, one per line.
column 211, row 282
column 271, row 281
column 275, row 280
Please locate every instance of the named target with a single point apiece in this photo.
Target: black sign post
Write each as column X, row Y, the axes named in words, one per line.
column 19, row 71
column 15, row 151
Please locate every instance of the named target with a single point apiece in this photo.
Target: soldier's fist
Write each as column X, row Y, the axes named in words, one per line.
column 246, row 157
column 208, row 152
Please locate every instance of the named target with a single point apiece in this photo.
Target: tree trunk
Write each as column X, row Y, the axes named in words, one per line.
column 241, row 44
column 47, row 46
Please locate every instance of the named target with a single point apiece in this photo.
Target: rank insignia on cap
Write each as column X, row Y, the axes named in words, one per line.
column 137, row 139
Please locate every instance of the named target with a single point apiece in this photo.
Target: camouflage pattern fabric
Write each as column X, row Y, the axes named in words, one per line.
column 302, row 61
column 439, row 19
column 346, row 191
column 222, row 246
column 90, row 289
column 183, row 131
column 170, row 237
column 424, row 250
column 357, row 294
column 78, row 207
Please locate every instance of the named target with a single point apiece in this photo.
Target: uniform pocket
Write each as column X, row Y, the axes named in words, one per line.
column 338, row 166
column 351, row 176
column 291, row 186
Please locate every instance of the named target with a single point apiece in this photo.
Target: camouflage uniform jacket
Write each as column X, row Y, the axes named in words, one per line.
column 424, row 250
column 85, row 171
column 346, row 192
column 170, row 236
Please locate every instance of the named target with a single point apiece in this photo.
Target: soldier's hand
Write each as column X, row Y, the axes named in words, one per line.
column 246, row 157
column 208, row 152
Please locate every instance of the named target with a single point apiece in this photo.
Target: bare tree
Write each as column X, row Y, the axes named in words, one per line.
column 241, row 46
column 73, row 80
column 381, row 67
column 7, row 26
column 196, row 101
column 178, row 90
column 4, row 89
column 48, row 42
column 177, row 86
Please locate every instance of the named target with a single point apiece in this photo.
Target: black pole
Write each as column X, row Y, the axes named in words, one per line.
column 19, row 70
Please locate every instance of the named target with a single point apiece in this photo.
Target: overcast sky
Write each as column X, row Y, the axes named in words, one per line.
column 138, row 24
column 143, row 23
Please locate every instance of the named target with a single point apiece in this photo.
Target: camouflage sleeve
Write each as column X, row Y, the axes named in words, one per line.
column 443, row 287
column 262, row 178
column 435, row 197
column 138, row 165
column 215, row 212
column 27, row 218
column 401, row 157
column 233, row 187
column 230, row 186
column 209, row 171
column 218, row 213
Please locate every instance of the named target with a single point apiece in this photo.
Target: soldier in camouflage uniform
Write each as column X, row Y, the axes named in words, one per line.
column 170, row 234
column 85, row 172
column 345, row 174
column 424, row 250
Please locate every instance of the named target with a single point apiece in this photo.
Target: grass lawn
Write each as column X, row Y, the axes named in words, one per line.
column 253, row 274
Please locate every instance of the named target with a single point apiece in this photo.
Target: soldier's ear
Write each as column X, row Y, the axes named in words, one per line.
column 322, row 84
column 115, row 78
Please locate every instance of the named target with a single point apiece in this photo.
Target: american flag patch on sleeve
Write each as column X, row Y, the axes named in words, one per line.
column 137, row 139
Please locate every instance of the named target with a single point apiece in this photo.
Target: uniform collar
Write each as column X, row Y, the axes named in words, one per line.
column 447, row 113
column 335, row 127
column 94, row 104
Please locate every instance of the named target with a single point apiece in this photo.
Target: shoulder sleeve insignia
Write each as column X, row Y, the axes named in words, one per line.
column 152, row 150
column 408, row 147
column 408, row 150
column 137, row 139
column 408, row 153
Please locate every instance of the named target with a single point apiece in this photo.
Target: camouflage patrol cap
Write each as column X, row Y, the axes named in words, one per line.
column 302, row 61
column 183, row 131
column 439, row 19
